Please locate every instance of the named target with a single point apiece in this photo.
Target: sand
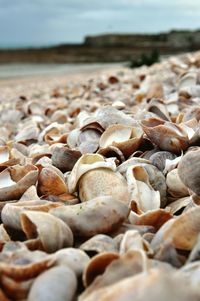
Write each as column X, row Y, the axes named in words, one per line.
column 15, row 86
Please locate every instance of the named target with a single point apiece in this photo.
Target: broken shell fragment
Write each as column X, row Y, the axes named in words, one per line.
column 188, row 170
column 84, row 164
column 166, row 135
column 65, row 158
column 75, row 259
column 24, row 264
column 98, row 244
column 17, row 290
column 176, row 188
column 97, row 266
column 15, row 180
column 142, row 193
column 163, row 285
column 11, row 212
column 158, row 159
column 104, row 213
column 51, row 181
column 103, row 182
column 52, row 232
column 181, row 231
column 60, row 279
column 126, row 138
column 127, row 265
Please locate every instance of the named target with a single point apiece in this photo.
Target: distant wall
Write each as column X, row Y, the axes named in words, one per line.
column 108, row 48
column 173, row 39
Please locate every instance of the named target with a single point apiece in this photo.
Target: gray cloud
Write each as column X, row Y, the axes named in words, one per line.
column 40, row 22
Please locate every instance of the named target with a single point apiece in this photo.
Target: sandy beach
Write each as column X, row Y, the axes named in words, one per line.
column 99, row 184
column 15, row 82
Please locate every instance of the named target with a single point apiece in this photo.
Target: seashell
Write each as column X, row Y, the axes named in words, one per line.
column 17, row 158
column 119, row 105
column 97, row 266
column 34, row 108
column 98, row 244
column 126, row 138
column 191, row 271
column 29, row 194
column 51, row 181
column 109, row 115
column 51, row 130
column 15, row 180
column 84, row 164
column 65, row 199
column 176, row 188
column 4, row 237
column 179, row 204
column 29, row 131
column 55, row 136
column 166, row 135
column 11, row 116
column 24, row 264
column 65, row 158
column 92, row 126
column 194, row 254
column 167, row 253
column 182, row 231
column 158, row 159
column 131, row 241
column 103, row 182
column 193, row 112
column 104, row 213
column 75, row 259
column 6, row 158
column 163, row 285
column 53, row 233
column 187, row 80
column 155, row 218
column 59, row 116
column 35, row 150
column 155, row 91
column 42, row 162
column 188, row 170
column 88, row 141
column 129, row 264
column 171, row 164
column 158, row 107
column 11, row 212
column 142, row 193
column 122, row 168
column 15, row 289
column 157, row 181
column 60, row 279
column 112, row 151
column 3, row 297
column 72, row 138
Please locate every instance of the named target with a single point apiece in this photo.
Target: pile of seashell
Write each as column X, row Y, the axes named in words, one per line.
column 100, row 188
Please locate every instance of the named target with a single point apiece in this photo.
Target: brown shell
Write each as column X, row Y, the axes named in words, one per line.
column 51, row 181
column 104, row 214
column 65, row 158
column 53, row 233
column 23, row 176
column 97, row 266
column 188, row 170
column 166, row 135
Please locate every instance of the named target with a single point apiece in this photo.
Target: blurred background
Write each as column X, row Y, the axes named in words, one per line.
column 52, row 35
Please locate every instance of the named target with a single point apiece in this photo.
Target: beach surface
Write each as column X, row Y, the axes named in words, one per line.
column 27, row 79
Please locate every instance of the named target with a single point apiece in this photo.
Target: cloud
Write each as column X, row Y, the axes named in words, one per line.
column 58, row 21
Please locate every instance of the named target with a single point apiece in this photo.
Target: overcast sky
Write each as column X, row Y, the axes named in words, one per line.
column 44, row 22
